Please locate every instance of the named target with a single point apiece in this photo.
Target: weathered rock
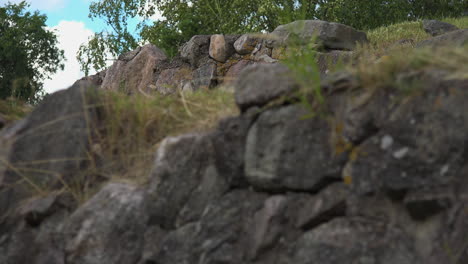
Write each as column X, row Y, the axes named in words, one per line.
column 435, row 27
column 453, row 38
column 195, row 51
column 183, row 181
column 218, row 48
column 173, row 79
column 419, row 143
column 134, row 71
column 422, row 204
column 265, row 231
column 229, row 141
column 331, row 35
column 354, row 241
column 108, row 228
column 219, row 235
column 35, row 210
column 63, row 120
column 221, row 47
column 95, row 79
column 246, row 44
column 327, row 62
column 205, row 77
column 323, row 207
column 259, row 84
column 279, row 147
column 32, row 234
column 235, row 70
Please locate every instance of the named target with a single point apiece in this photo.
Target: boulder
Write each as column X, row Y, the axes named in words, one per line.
column 257, row 85
column 355, row 241
column 222, row 47
column 219, row 236
column 196, row 50
column 204, row 77
column 95, row 79
column 173, row 79
column 235, row 70
column 453, row 38
column 417, row 144
column 134, row 71
column 278, row 151
column 436, row 28
column 50, row 148
column 328, row 204
column 108, row 228
column 246, row 43
column 330, row 35
column 183, row 181
column 229, row 140
column 32, row 232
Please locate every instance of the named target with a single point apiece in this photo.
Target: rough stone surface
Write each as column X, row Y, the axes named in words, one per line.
column 229, row 141
column 354, row 241
column 246, row 44
column 173, row 79
column 235, row 70
column 259, row 84
column 218, row 48
column 108, row 228
column 323, row 207
column 278, row 151
column 205, row 77
column 435, row 27
column 222, row 47
column 62, row 120
column 453, row 38
column 331, row 35
column 183, row 180
column 133, row 72
column 195, row 51
column 376, row 176
column 419, row 144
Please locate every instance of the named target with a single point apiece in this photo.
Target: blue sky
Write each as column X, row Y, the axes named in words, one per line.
column 69, row 19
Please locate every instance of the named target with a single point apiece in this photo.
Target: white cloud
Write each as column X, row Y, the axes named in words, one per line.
column 46, row 5
column 70, row 34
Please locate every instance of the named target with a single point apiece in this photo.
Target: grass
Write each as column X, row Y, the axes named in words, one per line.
column 124, row 143
column 384, row 37
column 133, row 127
column 13, row 109
column 385, row 71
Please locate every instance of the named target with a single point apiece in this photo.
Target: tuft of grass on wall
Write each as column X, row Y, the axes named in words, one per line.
column 384, row 37
column 385, row 71
column 133, row 127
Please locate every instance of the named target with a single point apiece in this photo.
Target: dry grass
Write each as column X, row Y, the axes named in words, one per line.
column 135, row 125
column 384, row 71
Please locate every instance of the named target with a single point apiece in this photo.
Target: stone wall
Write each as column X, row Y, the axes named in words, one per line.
column 206, row 61
column 381, row 177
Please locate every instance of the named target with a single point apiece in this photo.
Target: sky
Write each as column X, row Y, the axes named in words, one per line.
column 69, row 19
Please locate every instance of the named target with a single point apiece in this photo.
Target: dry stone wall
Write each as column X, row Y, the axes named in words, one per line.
column 206, row 61
column 381, row 178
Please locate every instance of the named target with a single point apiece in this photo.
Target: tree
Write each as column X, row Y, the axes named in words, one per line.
column 28, row 53
column 182, row 20
column 365, row 14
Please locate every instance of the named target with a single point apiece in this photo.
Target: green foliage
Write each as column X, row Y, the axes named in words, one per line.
column 28, row 53
column 365, row 14
column 182, row 19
